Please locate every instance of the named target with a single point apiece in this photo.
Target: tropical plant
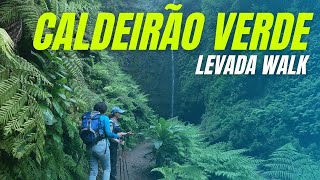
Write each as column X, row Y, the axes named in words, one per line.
column 181, row 153
column 43, row 94
column 288, row 164
column 172, row 141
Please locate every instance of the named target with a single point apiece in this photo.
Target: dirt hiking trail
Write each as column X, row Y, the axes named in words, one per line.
column 138, row 163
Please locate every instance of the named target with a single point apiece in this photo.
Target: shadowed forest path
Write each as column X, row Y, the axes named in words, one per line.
column 139, row 163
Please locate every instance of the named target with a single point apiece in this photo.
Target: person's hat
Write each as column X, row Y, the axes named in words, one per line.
column 117, row 110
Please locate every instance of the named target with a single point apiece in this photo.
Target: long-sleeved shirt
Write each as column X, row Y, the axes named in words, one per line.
column 107, row 130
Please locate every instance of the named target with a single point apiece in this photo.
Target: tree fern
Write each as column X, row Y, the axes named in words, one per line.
column 15, row 30
column 13, row 10
column 22, row 69
column 27, row 169
column 181, row 153
column 8, row 13
column 30, row 13
column 24, row 87
column 220, row 162
column 8, row 88
column 6, row 45
column 4, row 73
column 73, row 68
column 185, row 172
column 29, row 73
column 15, row 123
column 45, row 94
column 12, row 106
column 38, row 92
column 21, row 120
column 288, row 164
column 43, row 6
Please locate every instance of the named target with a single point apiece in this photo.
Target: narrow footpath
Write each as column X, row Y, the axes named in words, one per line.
column 138, row 162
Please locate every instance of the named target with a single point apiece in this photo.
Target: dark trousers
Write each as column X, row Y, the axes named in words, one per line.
column 113, row 160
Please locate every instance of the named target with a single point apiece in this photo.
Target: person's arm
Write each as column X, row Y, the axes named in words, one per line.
column 107, row 128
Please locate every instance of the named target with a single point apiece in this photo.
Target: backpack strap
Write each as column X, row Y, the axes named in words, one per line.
column 113, row 126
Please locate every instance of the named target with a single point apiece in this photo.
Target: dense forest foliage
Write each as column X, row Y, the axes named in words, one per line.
column 267, row 115
column 44, row 93
column 235, row 127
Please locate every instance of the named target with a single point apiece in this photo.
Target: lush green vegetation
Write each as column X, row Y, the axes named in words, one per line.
column 257, row 113
column 44, row 93
column 287, row 163
column 181, row 153
column 244, row 127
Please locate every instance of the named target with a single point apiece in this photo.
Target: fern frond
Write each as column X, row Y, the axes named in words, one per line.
column 280, row 174
column 8, row 12
column 4, row 172
column 30, row 13
column 15, row 31
column 8, row 88
column 22, row 148
column 4, row 73
column 12, row 125
column 166, row 172
column 229, row 155
column 12, row 106
column 26, row 70
column 6, row 45
column 71, row 125
column 38, row 115
column 43, row 5
column 28, row 169
column 23, row 69
column 53, row 6
column 75, row 58
column 7, row 144
column 84, row 96
column 16, row 122
column 287, row 163
column 38, row 92
column 28, row 126
column 74, row 70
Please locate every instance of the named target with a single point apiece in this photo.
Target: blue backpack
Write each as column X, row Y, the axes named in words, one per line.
column 91, row 131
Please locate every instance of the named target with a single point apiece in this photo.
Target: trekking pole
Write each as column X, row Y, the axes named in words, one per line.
column 125, row 161
column 123, row 165
column 125, row 171
column 120, row 166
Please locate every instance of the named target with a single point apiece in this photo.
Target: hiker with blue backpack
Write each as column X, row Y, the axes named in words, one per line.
column 95, row 131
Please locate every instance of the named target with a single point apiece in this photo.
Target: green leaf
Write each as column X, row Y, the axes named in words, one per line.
column 68, row 104
column 52, row 76
column 63, row 96
column 48, row 116
column 67, row 88
column 58, row 108
column 56, row 138
column 63, row 80
column 157, row 143
column 40, row 58
column 72, row 100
